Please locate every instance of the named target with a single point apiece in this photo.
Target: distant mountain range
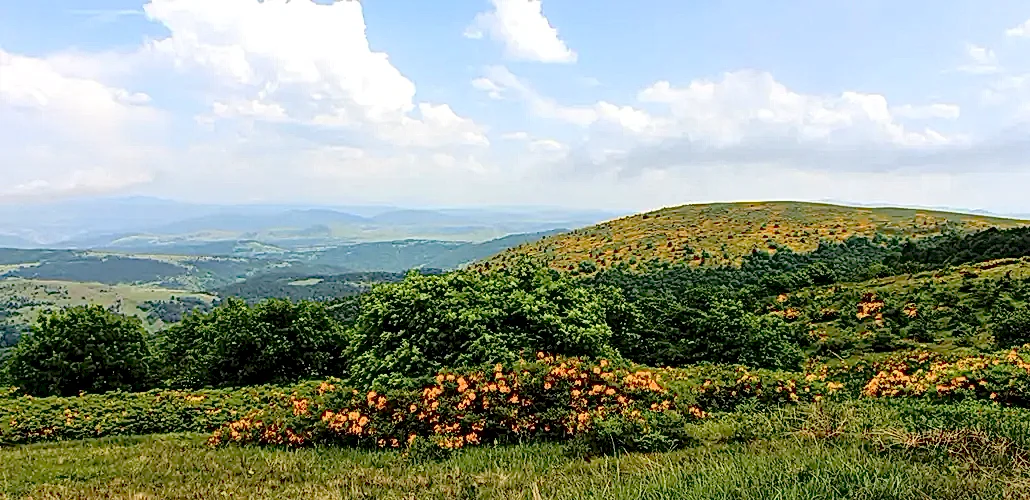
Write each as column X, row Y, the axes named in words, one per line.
column 141, row 224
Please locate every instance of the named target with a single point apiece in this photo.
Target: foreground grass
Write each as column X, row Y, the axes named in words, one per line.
column 182, row 466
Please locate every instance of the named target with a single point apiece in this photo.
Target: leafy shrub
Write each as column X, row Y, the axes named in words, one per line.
column 275, row 341
column 1012, row 327
column 410, row 330
column 651, row 432
column 25, row 419
column 86, row 348
column 708, row 328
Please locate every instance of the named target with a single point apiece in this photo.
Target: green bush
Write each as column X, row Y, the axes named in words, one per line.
column 700, row 328
column 654, row 432
column 1012, row 327
column 275, row 341
column 86, row 348
column 25, row 419
column 410, row 330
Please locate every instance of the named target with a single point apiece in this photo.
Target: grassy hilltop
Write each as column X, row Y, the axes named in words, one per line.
column 720, row 233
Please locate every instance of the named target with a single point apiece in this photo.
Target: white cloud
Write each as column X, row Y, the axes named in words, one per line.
column 515, row 136
column 65, row 134
column 499, row 79
column 932, row 111
column 303, row 62
column 981, row 61
column 524, row 30
column 545, row 145
column 751, row 105
column 1022, row 31
column 747, row 118
column 488, row 86
column 742, row 106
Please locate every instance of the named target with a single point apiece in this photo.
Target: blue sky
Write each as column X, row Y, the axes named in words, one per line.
column 476, row 102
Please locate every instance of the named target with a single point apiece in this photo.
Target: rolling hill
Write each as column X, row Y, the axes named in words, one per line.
column 722, row 233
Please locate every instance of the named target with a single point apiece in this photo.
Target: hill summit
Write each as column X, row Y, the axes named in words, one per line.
column 723, row 233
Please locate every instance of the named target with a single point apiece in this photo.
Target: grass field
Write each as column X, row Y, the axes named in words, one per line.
column 34, row 296
column 728, row 231
column 802, row 453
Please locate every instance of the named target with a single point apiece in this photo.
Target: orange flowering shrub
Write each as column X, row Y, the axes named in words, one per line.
column 1002, row 377
column 724, row 387
column 549, row 398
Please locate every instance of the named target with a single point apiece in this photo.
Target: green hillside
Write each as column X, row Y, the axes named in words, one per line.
column 867, row 367
column 721, row 233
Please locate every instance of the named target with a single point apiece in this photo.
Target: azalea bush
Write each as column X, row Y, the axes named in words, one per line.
column 549, row 398
column 595, row 404
column 1003, row 377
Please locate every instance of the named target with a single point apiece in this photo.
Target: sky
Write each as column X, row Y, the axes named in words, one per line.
column 603, row 104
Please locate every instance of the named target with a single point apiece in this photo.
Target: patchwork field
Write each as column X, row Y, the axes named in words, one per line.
column 23, row 299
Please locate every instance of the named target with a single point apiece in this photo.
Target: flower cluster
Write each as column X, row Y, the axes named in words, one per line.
column 549, row 398
column 1003, row 377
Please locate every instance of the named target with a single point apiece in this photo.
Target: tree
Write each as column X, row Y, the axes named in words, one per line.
column 274, row 341
column 704, row 327
column 85, row 348
column 408, row 331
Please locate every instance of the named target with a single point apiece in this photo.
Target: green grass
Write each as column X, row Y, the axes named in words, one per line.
column 182, row 466
column 863, row 450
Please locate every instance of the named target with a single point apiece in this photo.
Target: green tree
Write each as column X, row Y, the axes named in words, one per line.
column 410, row 330
column 702, row 327
column 85, row 348
column 274, row 341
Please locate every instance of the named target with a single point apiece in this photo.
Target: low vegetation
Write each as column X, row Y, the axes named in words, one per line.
column 870, row 367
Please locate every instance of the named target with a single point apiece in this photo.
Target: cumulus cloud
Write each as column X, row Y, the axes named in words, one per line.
column 1021, row 31
column 301, row 62
column 749, row 118
column 66, row 134
column 524, row 30
column 746, row 105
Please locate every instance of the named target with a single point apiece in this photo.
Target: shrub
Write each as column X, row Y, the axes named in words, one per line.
column 707, row 328
column 651, row 432
column 25, row 419
column 410, row 330
column 275, row 341
column 86, row 348
column 551, row 398
column 1012, row 327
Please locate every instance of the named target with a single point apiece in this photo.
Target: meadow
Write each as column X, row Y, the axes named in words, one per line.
column 879, row 366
